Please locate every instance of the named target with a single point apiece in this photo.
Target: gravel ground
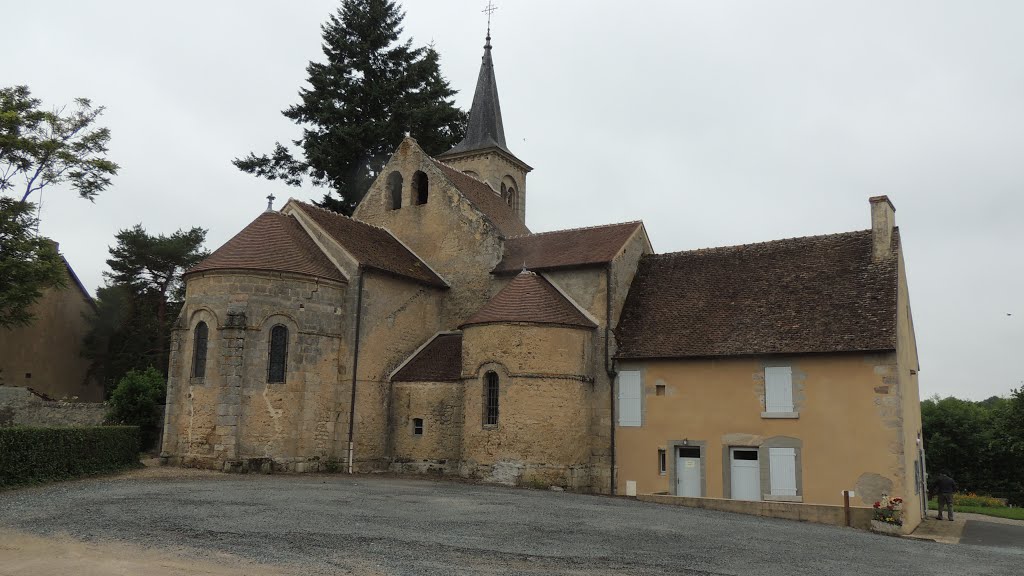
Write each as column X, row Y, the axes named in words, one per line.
column 358, row 525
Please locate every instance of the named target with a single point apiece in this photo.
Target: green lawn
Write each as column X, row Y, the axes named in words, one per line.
column 1001, row 511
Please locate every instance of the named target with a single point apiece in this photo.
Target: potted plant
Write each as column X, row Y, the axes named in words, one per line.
column 888, row 515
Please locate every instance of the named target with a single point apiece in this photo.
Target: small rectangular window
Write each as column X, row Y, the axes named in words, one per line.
column 662, row 467
column 778, row 389
column 417, row 426
column 630, row 390
column 659, row 389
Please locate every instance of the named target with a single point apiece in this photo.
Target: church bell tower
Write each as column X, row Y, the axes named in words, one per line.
column 483, row 153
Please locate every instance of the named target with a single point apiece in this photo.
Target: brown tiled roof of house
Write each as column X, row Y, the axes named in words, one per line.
column 371, row 246
column 439, row 361
column 531, row 299
column 271, row 242
column 803, row 295
column 486, row 200
column 566, row 248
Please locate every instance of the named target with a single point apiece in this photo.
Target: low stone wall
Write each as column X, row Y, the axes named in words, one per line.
column 860, row 517
column 20, row 407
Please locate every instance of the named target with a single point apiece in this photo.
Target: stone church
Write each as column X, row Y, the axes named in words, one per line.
column 433, row 332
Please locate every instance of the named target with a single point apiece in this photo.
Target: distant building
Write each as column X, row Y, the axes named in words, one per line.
column 46, row 355
column 433, row 332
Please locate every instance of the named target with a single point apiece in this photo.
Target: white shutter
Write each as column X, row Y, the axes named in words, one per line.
column 782, row 462
column 629, row 398
column 778, row 387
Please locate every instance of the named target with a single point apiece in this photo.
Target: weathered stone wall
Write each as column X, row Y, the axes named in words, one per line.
column 46, row 355
column 447, row 232
column 20, row 407
column 439, row 447
column 233, row 414
column 544, row 405
column 494, row 168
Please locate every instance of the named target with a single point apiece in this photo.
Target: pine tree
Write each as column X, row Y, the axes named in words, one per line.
column 360, row 102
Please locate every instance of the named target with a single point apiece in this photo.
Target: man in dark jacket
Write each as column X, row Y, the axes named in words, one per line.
column 945, row 486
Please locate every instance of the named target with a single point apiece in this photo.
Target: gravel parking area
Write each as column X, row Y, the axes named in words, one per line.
column 376, row 525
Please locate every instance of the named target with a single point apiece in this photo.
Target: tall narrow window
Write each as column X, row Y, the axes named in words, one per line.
column 630, row 389
column 778, row 387
column 420, row 186
column 395, row 190
column 278, row 361
column 662, row 464
column 417, row 426
column 200, row 338
column 491, row 400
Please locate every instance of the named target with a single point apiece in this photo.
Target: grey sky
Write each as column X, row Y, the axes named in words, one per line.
column 715, row 122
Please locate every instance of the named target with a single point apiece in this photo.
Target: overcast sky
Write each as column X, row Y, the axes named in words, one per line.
column 715, row 122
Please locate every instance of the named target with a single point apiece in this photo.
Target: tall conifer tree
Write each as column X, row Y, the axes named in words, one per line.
column 371, row 90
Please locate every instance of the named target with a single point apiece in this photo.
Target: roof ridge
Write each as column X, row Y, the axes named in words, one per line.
column 755, row 244
column 594, row 227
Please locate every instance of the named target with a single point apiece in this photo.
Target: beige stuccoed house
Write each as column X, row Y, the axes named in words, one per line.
column 433, row 332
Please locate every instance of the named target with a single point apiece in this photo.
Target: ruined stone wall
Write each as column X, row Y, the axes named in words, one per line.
column 439, row 447
column 847, row 423
column 20, row 407
column 46, row 355
column 398, row 316
column 232, row 413
column 544, row 409
column 447, row 232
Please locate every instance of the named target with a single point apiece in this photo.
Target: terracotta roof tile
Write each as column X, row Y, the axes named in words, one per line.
column 803, row 295
column 486, row 200
column 371, row 246
column 271, row 242
column 439, row 361
column 532, row 299
column 566, row 248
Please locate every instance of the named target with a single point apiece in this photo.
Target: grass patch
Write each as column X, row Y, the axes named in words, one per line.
column 997, row 511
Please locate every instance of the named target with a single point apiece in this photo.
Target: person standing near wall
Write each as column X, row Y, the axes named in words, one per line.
column 945, row 486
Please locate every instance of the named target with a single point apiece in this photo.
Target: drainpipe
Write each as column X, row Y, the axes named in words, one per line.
column 607, row 362
column 355, row 372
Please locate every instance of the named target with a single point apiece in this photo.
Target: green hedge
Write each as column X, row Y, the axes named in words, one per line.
column 38, row 454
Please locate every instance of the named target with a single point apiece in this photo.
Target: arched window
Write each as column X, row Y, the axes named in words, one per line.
column 200, row 337
column 419, row 187
column 395, row 190
column 509, row 193
column 277, row 362
column 491, row 396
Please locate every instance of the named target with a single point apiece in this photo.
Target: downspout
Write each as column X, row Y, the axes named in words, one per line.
column 607, row 362
column 355, row 372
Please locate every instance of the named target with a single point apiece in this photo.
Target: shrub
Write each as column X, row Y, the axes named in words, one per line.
column 39, row 454
column 137, row 401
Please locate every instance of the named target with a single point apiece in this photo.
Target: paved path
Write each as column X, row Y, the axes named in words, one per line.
column 984, row 533
column 358, row 525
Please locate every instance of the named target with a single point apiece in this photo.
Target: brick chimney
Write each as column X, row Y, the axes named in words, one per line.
column 883, row 220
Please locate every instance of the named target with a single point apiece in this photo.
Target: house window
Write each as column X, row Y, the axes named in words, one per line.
column 395, row 190
column 419, row 187
column 782, row 471
column 659, row 389
column 662, row 464
column 200, row 338
column 778, row 390
column 630, row 388
column 278, row 357
column 417, row 426
column 491, row 399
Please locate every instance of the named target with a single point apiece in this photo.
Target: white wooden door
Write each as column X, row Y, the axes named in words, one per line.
column 688, row 472
column 746, row 474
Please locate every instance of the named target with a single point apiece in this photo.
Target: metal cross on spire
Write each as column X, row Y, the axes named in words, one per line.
column 489, row 10
column 270, row 203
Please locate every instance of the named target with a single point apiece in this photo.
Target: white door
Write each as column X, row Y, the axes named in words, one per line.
column 746, row 474
column 688, row 471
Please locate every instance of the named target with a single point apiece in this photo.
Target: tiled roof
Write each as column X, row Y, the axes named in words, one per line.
column 371, row 246
column 439, row 361
column 486, row 200
column 565, row 248
column 532, row 299
column 803, row 295
column 271, row 242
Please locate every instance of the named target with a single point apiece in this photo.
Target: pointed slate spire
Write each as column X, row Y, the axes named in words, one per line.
column 485, row 128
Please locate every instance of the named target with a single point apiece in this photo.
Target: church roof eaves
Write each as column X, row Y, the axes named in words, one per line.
column 530, row 299
column 372, row 246
column 570, row 248
column 273, row 242
column 439, row 359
